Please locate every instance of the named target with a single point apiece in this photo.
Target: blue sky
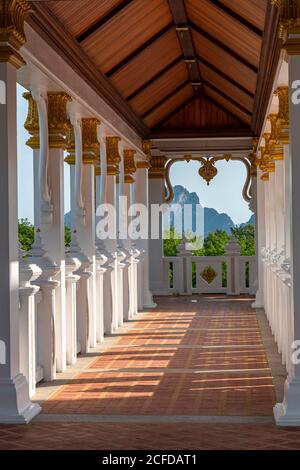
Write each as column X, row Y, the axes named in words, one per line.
column 224, row 193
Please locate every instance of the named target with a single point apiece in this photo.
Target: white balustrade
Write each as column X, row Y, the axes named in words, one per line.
column 230, row 274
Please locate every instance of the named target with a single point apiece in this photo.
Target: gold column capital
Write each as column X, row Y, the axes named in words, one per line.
column 147, row 146
column 289, row 24
column 276, row 147
column 129, row 165
column 282, row 93
column 90, row 143
column 112, row 155
column 70, row 146
column 12, row 35
column 157, row 169
column 32, row 122
column 58, row 122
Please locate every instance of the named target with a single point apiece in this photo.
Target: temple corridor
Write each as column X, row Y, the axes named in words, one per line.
column 195, row 367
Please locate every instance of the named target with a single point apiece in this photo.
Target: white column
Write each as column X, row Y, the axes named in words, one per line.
column 261, row 240
column 86, row 236
column 111, row 247
column 142, row 197
column 104, row 256
column 156, row 196
column 49, row 171
column 15, row 405
column 27, row 293
column 287, row 413
column 72, row 265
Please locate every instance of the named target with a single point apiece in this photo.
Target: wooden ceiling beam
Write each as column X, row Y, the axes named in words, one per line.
column 140, row 50
column 165, row 99
column 269, row 58
column 175, row 111
column 47, row 25
column 225, row 110
column 222, row 46
column 96, row 26
column 237, row 17
column 163, row 133
column 156, row 77
column 203, row 61
column 186, row 41
column 227, row 97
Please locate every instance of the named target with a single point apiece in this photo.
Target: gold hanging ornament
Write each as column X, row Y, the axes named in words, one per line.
column 208, row 171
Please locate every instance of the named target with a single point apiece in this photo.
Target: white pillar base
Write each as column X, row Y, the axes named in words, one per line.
column 287, row 413
column 259, row 300
column 15, row 405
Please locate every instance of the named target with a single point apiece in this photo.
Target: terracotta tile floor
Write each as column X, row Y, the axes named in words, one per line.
column 182, row 361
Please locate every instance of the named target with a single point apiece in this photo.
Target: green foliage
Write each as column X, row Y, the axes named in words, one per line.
column 171, row 242
column 214, row 243
column 26, row 234
column 68, row 236
column 246, row 238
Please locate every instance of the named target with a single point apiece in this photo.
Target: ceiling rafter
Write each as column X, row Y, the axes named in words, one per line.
column 222, row 46
column 196, row 133
column 225, row 110
column 165, row 99
column 237, row 17
column 140, row 49
column 203, row 61
column 175, row 111
column 186, row 41
column 101, row 22
column 156, row 77
column 269, row 58
column 227, row 97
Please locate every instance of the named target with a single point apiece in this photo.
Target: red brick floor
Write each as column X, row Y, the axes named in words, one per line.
column 193, row 359
column 182, row 361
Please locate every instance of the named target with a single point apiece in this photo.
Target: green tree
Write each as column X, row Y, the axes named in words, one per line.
column 26, row 234
column 171, row 241
column 245, row 236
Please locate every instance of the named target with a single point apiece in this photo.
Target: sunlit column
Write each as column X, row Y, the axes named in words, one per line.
column 129, row 192
column 15, row 405
column 124, row 241
column 288, row 412
column 142, row 197
column 113, row 160
column 105, row 259
column 157, row 196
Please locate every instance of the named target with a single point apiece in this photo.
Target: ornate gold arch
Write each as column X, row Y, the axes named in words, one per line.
column 208, row 171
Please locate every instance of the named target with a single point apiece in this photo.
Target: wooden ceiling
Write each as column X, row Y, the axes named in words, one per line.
column 180, row 66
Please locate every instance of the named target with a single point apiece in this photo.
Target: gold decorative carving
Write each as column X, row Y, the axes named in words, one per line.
column 70, row 146
column 112, row 154
column 208, row 171
column 265, row 177
column 129, row 165
column 283, row 113
column 289, row 25
column 187, row 158
column 32, row 122
column 58, row 121
column 276, row 147
column 147, row 147
column 12, row 36
column 157, row 166
column 90, row 143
